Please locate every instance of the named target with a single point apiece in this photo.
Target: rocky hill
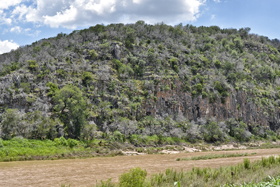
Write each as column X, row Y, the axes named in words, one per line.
column 186, row 82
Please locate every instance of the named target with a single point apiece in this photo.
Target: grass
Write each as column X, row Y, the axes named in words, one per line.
column 268, row 181
column 213, row 156
column 19, row 149
column 243, row 174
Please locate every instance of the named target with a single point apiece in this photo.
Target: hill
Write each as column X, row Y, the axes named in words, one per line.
column 128, row 82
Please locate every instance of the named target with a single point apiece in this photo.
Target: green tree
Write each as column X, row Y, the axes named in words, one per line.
column 212, row 132
column 10, row 125
column 71, row 108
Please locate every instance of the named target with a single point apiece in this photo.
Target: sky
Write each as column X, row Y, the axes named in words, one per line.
column 23, row 22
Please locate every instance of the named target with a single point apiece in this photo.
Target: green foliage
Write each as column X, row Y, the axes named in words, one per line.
column 26, row 87
column 71, row 108
column 135, row 177
column 118, row 136
column 160, row 47
column 7, row 69
column 72, row 143
column 32, row 65
column 15, row 124
column 174, row 64
column 246, row 162
column 61, row 141
column 45, row 44
column 61, row 72
column 93, row 54
column 240, row 132
column 204, row 95
column 53, row 88
column 87, row 78
column 212, row 132
column 97, row 28
column 151, row 50
column 218, row 64
column 9, row 125
column 36, row 49
column 117, row 64
column 1, row 143
column 228, row 66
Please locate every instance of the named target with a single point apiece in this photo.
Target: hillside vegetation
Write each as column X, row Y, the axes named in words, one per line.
column 137, row 81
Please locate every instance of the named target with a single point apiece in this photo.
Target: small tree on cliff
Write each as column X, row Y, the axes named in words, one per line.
column 71, row 108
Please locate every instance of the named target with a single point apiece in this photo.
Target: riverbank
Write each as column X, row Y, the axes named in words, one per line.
column 86, row 172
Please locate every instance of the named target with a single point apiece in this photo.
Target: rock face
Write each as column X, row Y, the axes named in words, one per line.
column 177, row 102
column 116, row 52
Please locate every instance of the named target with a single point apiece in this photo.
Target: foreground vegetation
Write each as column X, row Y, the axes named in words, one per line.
column 268, row 182
column 246, row 172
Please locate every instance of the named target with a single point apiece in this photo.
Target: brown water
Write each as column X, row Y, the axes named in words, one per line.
column 84, row 172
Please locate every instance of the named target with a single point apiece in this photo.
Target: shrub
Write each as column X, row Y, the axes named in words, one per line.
column 32, row 65
column 61, row 141
column 26, row 87
column 218, row 64
column 204, row 95
column 72, row 143
column 135, row 177
column 246, row 163
column 6, row 69
column 93, row 54
column 36, row 49
column 118, row 136
column 174, row 64
column 151, row 50
column 240, row 132
column 87, row 78
column 53, row 88
column 160, row 47
column 212, row 132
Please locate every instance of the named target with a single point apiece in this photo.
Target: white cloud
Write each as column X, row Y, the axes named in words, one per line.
column 217, row 1
column 74, row 13
column 25, row 31
column 15, row 29
column 20, row 11
column 213, row 16
column 4, row 19
column 5, row 4
column 7, row 46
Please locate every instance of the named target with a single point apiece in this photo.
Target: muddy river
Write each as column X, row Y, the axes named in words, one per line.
column 85, row 172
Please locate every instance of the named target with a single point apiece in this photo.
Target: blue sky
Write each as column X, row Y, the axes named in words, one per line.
column 23, row 22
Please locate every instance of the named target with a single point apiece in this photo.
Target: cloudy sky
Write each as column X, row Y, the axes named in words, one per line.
column 25, row 21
